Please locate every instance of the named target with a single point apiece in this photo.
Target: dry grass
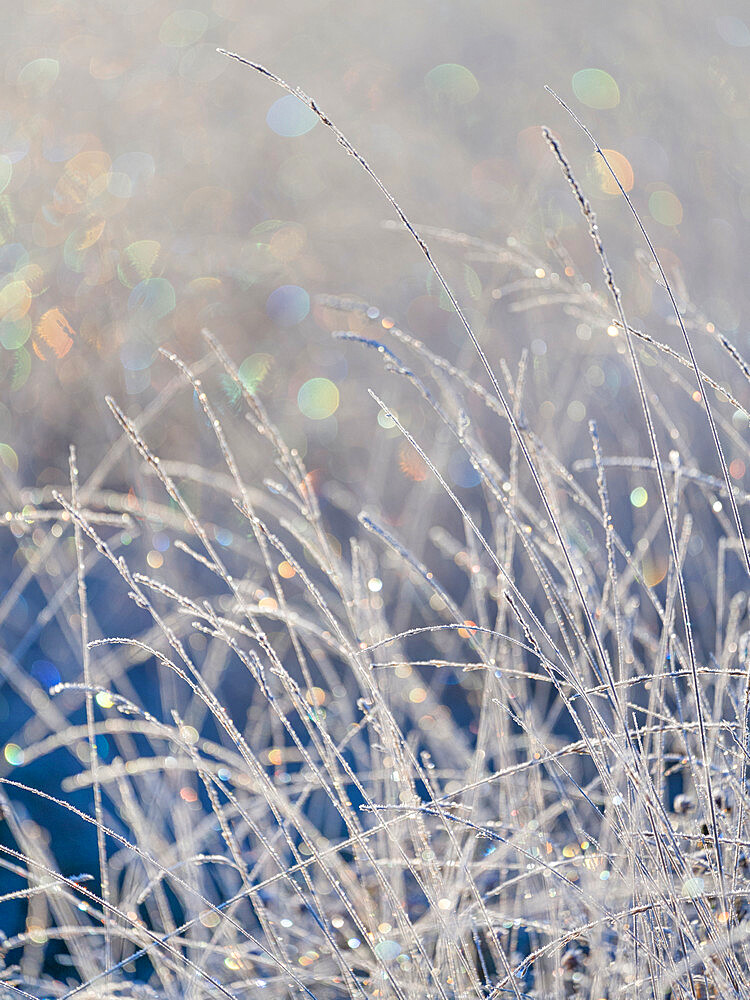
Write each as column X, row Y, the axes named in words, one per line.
column 498, row 749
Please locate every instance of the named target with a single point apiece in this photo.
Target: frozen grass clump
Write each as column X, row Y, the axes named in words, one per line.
column 495, row 746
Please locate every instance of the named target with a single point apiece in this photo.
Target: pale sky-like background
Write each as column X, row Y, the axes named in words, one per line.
column 147, row 191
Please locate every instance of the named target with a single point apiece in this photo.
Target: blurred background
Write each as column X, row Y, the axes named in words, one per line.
column 150, row 187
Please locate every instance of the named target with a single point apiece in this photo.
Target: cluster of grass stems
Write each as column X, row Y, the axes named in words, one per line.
column 526, row 780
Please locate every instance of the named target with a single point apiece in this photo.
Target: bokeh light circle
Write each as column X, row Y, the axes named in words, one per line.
column 15, row 299
column 54, row 335
column 289, row 117
column 15, row 333
column 733, row 30
column 452, row 83
column 153, row 298
column 596, row 89
column 288, row 305
column 621, row 166
column 39, row 76
column 318, row 398
column 254, row 369
column 138, row 262
column 14, row 754
column 665, row 207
